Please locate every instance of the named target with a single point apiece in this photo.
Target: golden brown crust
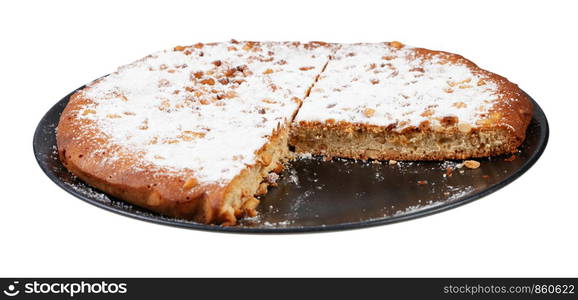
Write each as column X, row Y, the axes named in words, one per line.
column 513, row 110
column 86, row 153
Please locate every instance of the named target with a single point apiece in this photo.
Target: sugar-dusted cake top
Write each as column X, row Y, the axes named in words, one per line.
column 389, row 84
column 208, row 108
column 205, row 108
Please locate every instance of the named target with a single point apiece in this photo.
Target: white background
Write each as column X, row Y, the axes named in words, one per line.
column 50, row 48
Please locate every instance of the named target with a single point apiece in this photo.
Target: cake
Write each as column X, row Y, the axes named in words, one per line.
column 197, row 132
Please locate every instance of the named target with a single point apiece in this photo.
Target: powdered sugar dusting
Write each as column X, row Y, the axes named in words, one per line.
column 209, row 108
column 381, row 85
column 206, row 108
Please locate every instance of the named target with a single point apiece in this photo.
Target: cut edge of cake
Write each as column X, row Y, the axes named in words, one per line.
column 501, row 131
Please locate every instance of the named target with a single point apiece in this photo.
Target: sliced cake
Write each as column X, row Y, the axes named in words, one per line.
column 390, row 101
column 198, row 131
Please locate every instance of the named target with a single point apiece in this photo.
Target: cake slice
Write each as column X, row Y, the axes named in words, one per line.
column 191, row 132
column 390, row 101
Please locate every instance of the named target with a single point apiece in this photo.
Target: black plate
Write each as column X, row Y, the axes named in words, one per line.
column 315, row 195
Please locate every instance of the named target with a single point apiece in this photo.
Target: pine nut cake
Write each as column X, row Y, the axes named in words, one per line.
column 389, row 101
column 198, row 131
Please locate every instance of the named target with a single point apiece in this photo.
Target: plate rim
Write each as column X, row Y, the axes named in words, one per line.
column 543, row 134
